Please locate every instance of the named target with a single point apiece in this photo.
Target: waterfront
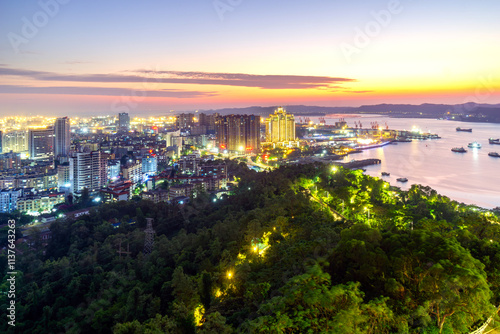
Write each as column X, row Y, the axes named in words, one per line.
column 471, row 177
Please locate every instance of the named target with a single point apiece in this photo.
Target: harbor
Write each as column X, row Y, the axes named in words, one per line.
column 432, row 163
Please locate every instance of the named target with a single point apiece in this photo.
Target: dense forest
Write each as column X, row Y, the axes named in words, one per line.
column 301, row 249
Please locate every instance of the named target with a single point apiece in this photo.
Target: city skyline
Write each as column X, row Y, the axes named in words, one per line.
column 63, row 57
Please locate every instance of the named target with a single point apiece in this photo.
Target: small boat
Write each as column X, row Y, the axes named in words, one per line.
column 494, row 154
column 402, row 179
column 464, row 130
column 459, row 150
column 386, row 174
column 474, row 145
column 494, row 141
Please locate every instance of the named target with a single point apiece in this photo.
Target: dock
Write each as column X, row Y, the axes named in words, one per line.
column 356, row 164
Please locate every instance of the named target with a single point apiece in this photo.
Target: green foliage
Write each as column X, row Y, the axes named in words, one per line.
column 302, row 252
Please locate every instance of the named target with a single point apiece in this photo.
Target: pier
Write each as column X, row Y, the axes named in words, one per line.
column 356, row 164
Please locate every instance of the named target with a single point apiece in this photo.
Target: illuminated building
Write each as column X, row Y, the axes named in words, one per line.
column 123, row 122
column 37, row 181
column 10, row 160
column 87, row 171
column 238, row 133
column 185, row 121
column 8, row 199
column 65, row 176
column 117, row 191
column 15, row 141
column 208, row 121
column 280, row 128
column 41, row 143
column 133, row 172
column 39, row 202
column 149, row 165
column 62, row 137
column 113, row 169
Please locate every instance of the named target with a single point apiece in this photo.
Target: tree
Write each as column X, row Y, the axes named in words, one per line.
column 310, row 305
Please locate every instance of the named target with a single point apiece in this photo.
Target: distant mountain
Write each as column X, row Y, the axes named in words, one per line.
column 293, row 109
column 465, row 111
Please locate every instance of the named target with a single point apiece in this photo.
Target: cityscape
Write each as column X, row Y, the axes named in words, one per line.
column 331, row 171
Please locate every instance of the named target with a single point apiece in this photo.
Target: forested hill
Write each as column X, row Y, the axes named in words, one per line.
column 302, row 249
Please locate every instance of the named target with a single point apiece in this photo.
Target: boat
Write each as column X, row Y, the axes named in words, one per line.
column 464, row 130
column 494, row 154
column 386, row 174
column 459, row 150
column 474, row 145
column 494, row 141
column 402, row 179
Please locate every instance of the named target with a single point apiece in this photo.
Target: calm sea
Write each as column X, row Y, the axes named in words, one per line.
column 471, row 177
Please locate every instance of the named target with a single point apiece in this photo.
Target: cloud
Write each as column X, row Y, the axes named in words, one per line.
column 199, row 78
column 359, row 91
column 75, row 62
column 103, row 91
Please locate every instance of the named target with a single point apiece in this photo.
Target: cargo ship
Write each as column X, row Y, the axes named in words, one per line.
column 459, row 150
column 464, row 130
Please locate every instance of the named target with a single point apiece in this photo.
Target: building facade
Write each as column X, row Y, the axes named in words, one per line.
column 15, row 141
column 65, row 176
column 39, row 202
column 62, row 137
column 41, row 143
column 133, row 172
column 8, row 199
column 280, row 127
column 149, row 165
column 123, row 122
column 238, row 133
column 87, row 171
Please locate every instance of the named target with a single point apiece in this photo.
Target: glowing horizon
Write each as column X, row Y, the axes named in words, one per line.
column 196, row 57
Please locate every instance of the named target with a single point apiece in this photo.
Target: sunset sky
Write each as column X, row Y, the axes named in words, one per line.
column 150, row 57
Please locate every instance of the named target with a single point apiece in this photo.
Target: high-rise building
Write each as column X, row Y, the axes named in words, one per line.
column 41, row 143
column 65, row 176
column 133, row 172
column 185, row 121
column 238, row 133
column 10, row 160
column 208, row 121
column 8, row 199
column 62, row 137
column 280, row 127
column 123, row 122
column 15, row 141
column 149, row 165
column 113, row 167
column 87, row 171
